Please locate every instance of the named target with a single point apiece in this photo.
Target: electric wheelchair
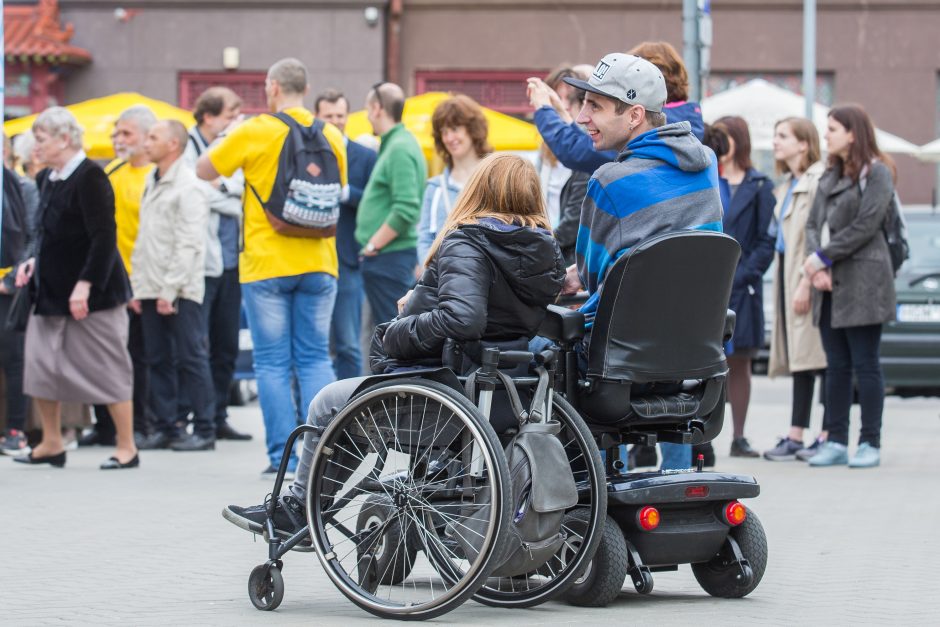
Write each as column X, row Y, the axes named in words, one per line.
column 412, row 470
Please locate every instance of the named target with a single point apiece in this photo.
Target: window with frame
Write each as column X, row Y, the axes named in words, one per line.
column 248, row 85
column 500, row 90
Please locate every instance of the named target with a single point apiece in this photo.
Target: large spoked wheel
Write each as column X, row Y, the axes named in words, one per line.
column 721, row 577
column 413, row 461
column 583, row 535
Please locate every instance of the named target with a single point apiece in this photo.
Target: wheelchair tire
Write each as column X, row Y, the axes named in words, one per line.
column 395, row 555
column 720, row 579
column 553, row 578
column 425, row 450
column 266, row 587
column 603, row 578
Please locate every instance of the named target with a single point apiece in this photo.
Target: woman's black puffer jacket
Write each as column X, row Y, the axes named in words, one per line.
column 488, row 281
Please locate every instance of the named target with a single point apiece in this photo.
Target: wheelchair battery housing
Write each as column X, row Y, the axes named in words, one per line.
column 692, row 525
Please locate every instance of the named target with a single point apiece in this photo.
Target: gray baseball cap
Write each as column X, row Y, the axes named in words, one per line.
column 627, row 78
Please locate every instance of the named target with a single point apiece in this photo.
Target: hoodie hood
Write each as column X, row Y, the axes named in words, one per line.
column 528, row 258
column 673, row 144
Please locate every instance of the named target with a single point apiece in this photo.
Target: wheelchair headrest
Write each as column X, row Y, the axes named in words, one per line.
column 662, row 309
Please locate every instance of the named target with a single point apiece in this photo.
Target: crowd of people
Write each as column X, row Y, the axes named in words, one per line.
column 133, row 276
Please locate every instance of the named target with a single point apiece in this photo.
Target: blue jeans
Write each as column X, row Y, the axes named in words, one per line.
column 347, row 323
column 289, row 318
column 386, row 278
column 676, row 456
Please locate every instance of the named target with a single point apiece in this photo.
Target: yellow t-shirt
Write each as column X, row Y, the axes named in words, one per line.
column 255, row 147
column 128, row 183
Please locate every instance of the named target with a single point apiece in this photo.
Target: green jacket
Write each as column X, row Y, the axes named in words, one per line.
column 394, row 192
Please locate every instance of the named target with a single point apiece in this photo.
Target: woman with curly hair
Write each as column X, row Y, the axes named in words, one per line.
column 459, row 129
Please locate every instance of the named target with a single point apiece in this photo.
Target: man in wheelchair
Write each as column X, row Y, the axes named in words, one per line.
column 663, row 180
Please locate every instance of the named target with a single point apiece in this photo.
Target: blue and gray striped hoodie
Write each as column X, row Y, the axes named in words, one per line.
column 664, row 180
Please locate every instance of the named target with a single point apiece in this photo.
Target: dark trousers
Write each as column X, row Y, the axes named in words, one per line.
column 176, row 352
column 222, row 309
column 104, row 426
column 804, row 383
column 11, row 360
column 852, row 350
column 347, row 323
column 386, row 278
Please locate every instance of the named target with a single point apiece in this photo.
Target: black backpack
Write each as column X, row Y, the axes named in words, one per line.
column 894, row 231
column 304, row 201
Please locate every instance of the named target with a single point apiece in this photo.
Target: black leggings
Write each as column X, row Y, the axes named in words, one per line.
column 804, row 383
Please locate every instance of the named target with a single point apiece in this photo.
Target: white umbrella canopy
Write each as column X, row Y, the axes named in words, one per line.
column 763, row 104
column 930, row 152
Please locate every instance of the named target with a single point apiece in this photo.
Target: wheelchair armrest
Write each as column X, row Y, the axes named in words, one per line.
column 562, row 324
column 730, row 320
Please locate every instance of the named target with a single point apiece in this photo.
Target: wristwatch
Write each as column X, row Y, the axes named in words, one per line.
column 370, row 248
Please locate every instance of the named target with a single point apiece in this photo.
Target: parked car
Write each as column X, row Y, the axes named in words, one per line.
column 910, row 346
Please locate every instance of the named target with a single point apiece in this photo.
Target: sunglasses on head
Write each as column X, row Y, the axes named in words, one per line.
column 378, row 94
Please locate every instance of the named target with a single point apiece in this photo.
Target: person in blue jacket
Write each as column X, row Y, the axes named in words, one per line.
column 332, row 106
column 748, row 217
column 574, row 148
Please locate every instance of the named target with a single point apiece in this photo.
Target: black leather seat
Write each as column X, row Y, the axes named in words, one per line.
column 656, row 361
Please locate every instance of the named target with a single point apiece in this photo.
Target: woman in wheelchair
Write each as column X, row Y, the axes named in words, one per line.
column 490, row 274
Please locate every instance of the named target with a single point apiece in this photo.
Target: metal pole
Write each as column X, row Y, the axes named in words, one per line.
column 2, row 103
column 690, row 47
column 809, row 56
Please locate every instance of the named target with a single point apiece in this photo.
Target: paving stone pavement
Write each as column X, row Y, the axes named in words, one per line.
column 148, row 546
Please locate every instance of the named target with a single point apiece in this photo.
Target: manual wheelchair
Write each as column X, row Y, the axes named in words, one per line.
column 412, row 471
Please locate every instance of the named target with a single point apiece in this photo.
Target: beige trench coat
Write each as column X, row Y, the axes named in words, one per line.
column 800, row 348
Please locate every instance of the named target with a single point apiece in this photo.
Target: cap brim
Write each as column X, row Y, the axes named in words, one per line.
column 586, row 86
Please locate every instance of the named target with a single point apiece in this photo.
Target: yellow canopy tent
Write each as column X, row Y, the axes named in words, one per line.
column 97, row 117
column 505, row 132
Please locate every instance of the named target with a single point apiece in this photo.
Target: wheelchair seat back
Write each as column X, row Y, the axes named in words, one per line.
column 661, row 321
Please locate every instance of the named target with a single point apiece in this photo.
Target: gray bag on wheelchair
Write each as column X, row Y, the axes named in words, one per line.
column 543, row 488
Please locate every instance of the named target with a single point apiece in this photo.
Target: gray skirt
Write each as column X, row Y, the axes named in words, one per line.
column 82, row 361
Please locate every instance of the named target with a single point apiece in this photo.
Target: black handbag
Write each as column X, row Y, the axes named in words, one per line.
column 20, row 310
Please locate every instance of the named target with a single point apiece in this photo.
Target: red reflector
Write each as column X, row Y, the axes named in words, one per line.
column 735, row 513
column 648, row 518
column 696, row 491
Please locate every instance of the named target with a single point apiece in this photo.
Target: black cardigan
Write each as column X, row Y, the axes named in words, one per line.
column 78, row 241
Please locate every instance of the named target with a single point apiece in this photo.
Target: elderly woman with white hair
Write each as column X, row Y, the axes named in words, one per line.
column 76, row 338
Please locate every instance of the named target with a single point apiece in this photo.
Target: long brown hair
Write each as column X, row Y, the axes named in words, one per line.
column 457, row 111
column 804, row 131
column 504, row 187
column 663, row 55
column 736, row 128
column 864, row 148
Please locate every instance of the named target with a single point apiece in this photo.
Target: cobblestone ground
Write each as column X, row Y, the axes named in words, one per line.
column 148, row 546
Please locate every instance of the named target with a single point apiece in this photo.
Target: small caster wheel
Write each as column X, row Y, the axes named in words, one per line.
column 644, row 583
column 266, row 587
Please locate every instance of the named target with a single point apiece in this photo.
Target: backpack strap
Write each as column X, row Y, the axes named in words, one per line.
column 192, row 140
column 117, row 166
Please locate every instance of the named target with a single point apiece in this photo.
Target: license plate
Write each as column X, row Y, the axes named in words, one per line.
column 918, row 313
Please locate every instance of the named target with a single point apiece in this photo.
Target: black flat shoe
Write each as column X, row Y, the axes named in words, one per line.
column 195, row 442
column 114, row 464
column 53, row 460
column 225, row 432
